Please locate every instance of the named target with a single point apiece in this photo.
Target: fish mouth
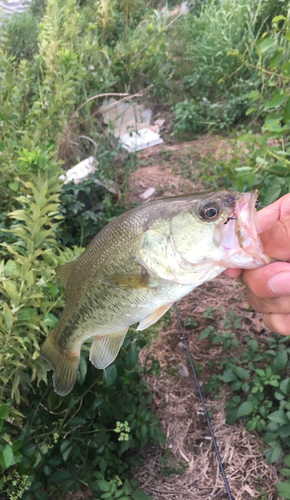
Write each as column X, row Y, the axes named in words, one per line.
column 241, row 239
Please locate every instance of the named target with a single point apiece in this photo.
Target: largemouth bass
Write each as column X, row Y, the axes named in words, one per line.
column 142, row 262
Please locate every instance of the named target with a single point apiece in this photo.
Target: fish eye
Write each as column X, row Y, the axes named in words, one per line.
column 209, row 211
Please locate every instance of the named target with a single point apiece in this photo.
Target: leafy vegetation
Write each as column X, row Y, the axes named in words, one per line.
column 257, row 375
column 262, row 161
column 233, row 63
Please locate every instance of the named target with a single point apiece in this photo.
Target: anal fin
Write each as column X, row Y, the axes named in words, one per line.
column 105, row 348
column 154, row 317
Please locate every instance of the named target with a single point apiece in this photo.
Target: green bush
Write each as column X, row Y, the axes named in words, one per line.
column 203, row 42
column 214, row 81
column 200, row 116
column 262, row 161
column 86, row 208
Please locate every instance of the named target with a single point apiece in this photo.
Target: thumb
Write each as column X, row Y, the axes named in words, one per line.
column 276, row 240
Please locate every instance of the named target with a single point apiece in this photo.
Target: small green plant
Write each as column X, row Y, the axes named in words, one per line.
column 228, row 339
column 203, row 115
column 257, row 377
column 284, row 487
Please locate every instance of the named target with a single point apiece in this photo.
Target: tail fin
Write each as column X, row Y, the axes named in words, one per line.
column 65, row 365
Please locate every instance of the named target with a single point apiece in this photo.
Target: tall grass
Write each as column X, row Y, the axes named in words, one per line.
column 203, row 44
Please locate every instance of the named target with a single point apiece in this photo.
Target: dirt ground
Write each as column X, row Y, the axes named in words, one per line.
column 176, row 399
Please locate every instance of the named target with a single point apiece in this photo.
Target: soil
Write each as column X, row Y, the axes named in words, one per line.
column 177, row 404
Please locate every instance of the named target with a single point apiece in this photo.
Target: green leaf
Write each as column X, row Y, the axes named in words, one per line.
column 284, row 490
column 103, row 485
column 8, row 317
column 276, row 19
column 279, row 417
column 286, row 459
column 4, row 411
column 131, row 357
column 143, row 430
column 6, row 456
column 50, row 320
column 229, row 376
column 273, row 453
column 273, row 194
column 205, row 333
column 286, row 112
column 284, row 430
column 286, row 472
column 241, row 372
column 13, row 185
column 280, row 361
column 60, row 476
column 253, row 345
column 110, row 375
column 285, row 69
column 82, row 369
column 107, row 495
column 246, row 408
column 254, row 95
column 251, row 425
column 140, row 495
column 275, row 102
column 266, row 44
column 65, row 449
column 277, row 59
column 47, row 470
column 251, row 110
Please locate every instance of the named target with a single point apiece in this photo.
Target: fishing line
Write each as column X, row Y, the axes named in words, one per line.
column 204, row 407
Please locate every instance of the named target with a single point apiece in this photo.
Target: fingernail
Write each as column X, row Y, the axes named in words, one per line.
column 280, row 283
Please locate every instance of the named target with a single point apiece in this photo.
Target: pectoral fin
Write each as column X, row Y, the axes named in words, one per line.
column 130, row 281
column 154, row 317
column 156, row 254
column 105, row 349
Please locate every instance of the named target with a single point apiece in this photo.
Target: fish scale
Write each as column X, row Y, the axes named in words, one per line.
column 139, row 265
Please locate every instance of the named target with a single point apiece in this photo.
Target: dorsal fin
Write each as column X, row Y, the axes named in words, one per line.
column 65, row 271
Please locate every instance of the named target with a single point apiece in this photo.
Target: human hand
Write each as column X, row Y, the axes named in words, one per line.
column 268, row 287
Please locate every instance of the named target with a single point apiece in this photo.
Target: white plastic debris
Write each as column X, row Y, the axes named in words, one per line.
column 147, row 193
column 144, row 138
column 80, row 171
column 159, row 123
column 131, row 124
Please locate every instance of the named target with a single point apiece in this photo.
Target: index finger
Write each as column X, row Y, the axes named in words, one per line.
column 273, row 213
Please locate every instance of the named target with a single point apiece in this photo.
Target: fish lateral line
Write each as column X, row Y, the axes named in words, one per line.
column 130, row 281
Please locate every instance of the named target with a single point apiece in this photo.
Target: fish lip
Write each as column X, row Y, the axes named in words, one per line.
column 246, row 227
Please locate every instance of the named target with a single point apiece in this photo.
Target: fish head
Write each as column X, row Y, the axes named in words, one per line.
column 222, row 228
column 205, row 234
